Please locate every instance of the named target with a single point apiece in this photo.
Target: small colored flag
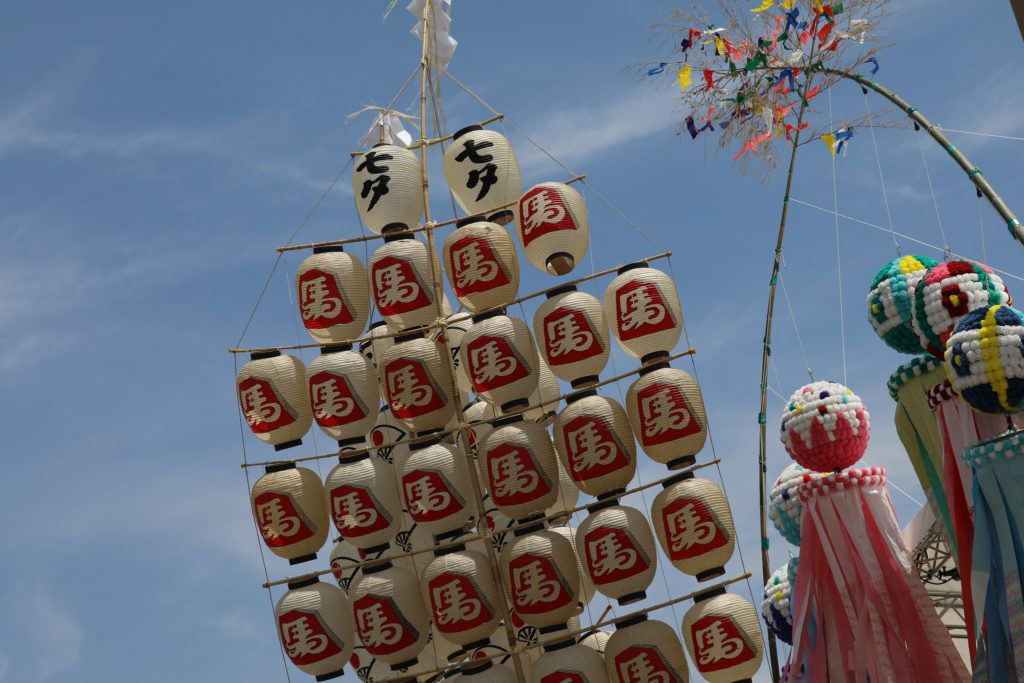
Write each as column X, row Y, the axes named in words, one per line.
column 684, row 78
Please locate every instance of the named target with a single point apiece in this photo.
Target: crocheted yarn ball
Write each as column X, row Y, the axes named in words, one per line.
column 784, row 507
column 775, row 606
column 947, row 293
column 825, row 427
column 891, row 298
column 985, row 359
column 791, row 567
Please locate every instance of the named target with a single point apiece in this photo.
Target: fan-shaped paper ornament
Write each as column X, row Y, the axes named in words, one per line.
column 463, row 597
column 457, row 325
column 314, row 623
column 561, row 510
column 723, row 637
column 546, row 397
column 381, row 338
column 776, row 607
column 572, row 335
column 391, row 619
column 288, row 506
column 587, row 588
column 482, row 171
column 784, row 507
column 418, row 383
column 401, row 281
column 363, row 502
column 891, row 299
column 948, row 292
column 518, row 466
column 617, row 547
column 985, row 359
column 551, row 223
column 343, row 393
column 595, row 443
column 568, row 662
column 825, row 427
column 435, row 483
column 479, row 416
column 343, row 558
column 541, row 577
column 481, row 263
column 332, row 294
column 387, row 184
column 666, row 411
column 643, row 309
column 272, row 394
column 500, row 359
column 389, row 438
column 642, row 647
column 694, row 525
column 498, row 523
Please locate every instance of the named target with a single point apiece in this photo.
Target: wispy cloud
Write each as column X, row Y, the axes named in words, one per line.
column 48, row 624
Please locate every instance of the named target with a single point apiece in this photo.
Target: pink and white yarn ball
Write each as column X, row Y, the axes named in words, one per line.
column 825, row 427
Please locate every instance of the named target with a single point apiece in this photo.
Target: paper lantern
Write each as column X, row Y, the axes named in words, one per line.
column 288, row 506
column 572, row 335
column 401, row 281
column 272, row 394
column 666, row 411
column 391, row 619
column 985, row 359
column 463, row 597
column 479, row 416
column 569, row 663
column 332, row 294
column 482, row 171
column 541, row 577
column 387, row 184
column 948, row 292
column 551, row 224
column 343, row 393
column 488, row 672
column 518, row 465
column 500, row 359
column 891, row 299
column 546, row 397
column 693, row 522
column 481, row 264
column 436, row 483
column 457, row 325
column 380, row 340
column 561, row 510
column 587, row 588
column 642, row 647
column 825, row 427
column 498, row 523
column 343, row 556
column 595, row 443
column 723, row 637
column 418, row 383
column 597, row 641
column 363, row 502
column 617, row 547
column 776, row 607
column 784, row 507
column 368, row 668
column 389, row 438
column 643, row 309
column 314, row 623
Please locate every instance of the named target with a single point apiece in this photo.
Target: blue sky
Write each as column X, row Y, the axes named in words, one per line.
column 153, row 155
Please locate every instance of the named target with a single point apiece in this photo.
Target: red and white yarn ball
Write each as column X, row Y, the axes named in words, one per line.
column 784, row 507
column 825, row 427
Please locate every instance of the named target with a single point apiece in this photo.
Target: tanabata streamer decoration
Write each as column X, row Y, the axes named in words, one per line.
column 289, row 508
column 272, row 394
column 314, row 623
column 387, row 184
column 985, row 359
column 948, row 292
column 861, row 610
column 333, row 296
column 776, row 607
column 891, row 299
column 825, row 427
column 784, row 507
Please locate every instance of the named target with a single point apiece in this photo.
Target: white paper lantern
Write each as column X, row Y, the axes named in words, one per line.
column 596, row 640
column 595, row 443
column 272, row 394
column 500, row 359
column 541, row 578
column 457, row 324
column 387, row 184
column 391, row 619
column 569, row 663
column 482, row 171
column 587, row 588
column 459, row 586
column 561, row 510
column 723, row 635
column 572, row 335
column 694, row 525
column 643, row 309
column 288, row 505
column 666, row 411
column 551, row 223
column 389, row 430
column 380, row 340
column 481, row 263
column 518, row 466
column 436, row 484
column 488, row 672
column 418, row 383
column 546, row 397
column 363, row 501
column 645, row 647
column 617, row 547
column 343, row 393
column 314, row 623
column 480, row 416
column 401, row 281
column 343, row 556
column 332, row 295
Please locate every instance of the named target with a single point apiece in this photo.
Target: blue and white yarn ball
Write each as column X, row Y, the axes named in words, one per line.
column 985, row 359
column 784, row 507
column 776, row 607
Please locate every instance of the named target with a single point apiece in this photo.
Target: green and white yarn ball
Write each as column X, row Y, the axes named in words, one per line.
column 784, row 507
column 776, row 605
column 891, row 299
column 794, row 564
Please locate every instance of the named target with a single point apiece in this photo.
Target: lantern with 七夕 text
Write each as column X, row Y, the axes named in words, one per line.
column 617, row 548
column 288, row 506
column 343, row 393
column 363, row 502
column 572, row 335
column 482, row 172
column 694, row 525
column 401, row 278
column 595, row 443
column 723, row 636
column 541, row 577
column 666, row 411
column 463, row 597
column 332, row 294
column 314, row 623
column 390, row 616
column 500, row 359
column 643, row 309
column 272, row 395
column 418, row 383
column 551, row 223
column 481, row 263
column 435, row 483
column 645, row 647
column 387, row 183
column 519, row 468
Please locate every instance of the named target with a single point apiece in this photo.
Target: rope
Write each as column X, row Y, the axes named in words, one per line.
column 935, row 201
column 878, row 161
column 986, row 135
column 981, row 230
column 796, row 330
column 839, row 262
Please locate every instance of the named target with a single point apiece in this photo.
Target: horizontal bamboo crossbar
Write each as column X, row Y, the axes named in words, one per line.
column 419, row 144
